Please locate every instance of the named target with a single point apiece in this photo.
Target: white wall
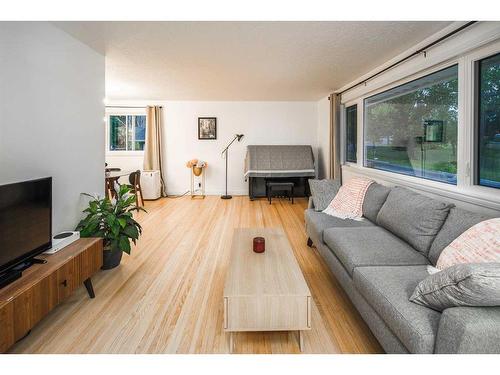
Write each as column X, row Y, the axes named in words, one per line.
column 260, row 122
column 51, row 111
column 127, row 161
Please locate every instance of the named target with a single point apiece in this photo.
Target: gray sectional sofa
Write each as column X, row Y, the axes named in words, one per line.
column 379, row 261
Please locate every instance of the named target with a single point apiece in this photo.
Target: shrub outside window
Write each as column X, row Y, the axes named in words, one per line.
column 488, row 121
column 127, row 132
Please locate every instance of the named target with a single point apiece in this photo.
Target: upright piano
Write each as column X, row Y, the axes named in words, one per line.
column 291, row 163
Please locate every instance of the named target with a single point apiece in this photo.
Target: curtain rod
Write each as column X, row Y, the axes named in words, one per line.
column 418, row 52
column 126, row 106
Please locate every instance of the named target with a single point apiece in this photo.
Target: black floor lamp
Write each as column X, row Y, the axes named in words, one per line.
column 225, row 154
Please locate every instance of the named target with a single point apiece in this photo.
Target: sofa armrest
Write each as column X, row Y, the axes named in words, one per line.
column 310, row 203
column 469, row 330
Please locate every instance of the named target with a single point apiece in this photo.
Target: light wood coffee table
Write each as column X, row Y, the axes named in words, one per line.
column 265, row 292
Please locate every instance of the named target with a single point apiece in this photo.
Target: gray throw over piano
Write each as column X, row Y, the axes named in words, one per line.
column 290, row 163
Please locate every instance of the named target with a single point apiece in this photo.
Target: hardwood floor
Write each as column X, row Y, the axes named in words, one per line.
column 167, row 296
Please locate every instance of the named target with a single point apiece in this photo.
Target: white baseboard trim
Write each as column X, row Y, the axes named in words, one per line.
column 212, row 192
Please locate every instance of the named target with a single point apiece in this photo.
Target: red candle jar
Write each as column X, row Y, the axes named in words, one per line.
column 259, row 244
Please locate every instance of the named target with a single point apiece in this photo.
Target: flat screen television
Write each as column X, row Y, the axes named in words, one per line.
column 25, row 221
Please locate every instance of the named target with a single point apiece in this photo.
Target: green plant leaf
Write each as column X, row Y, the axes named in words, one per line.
column 100, row 233
column 122, row 221
column 125, row 244
column 131, row 231
column 129, row 201
column 115, row 230
column 124, row 189
column 110, row 219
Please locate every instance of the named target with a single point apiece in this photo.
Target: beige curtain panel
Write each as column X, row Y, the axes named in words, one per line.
column 153, row 150
column 334, row 170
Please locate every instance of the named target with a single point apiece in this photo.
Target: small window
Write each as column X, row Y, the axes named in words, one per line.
column 351, row 125
column 488, row 121
column 412, row 129
column 127, row 132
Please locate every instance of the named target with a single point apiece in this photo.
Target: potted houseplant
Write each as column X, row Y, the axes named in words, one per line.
column 112, row 220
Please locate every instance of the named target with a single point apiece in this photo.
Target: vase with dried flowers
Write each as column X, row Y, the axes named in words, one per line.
column 197, row 166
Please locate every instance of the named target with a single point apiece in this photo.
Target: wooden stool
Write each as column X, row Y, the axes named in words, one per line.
column 279, row 186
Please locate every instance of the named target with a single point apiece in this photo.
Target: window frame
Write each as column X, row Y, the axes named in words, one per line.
column 409, row 79
column 344, row 150
column 359, row 131
column 476, row 121
column 465, row 191
column 122, row 112
column 470, row 127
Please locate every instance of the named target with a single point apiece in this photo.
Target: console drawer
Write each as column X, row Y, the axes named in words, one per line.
column 25, row 310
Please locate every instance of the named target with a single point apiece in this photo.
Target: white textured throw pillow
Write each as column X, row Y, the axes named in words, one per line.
column 478, row 244
column 348, row 203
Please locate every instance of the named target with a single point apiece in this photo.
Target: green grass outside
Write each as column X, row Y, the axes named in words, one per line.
column 437, row 158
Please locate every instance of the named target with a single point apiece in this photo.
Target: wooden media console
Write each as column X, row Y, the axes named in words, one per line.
column 42, row 287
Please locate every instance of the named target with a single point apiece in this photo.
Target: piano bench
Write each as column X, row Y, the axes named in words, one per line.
column 279, row 186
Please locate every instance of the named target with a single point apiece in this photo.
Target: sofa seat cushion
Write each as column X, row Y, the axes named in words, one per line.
column 372, row 246
column 317, row 222
column 387, row 290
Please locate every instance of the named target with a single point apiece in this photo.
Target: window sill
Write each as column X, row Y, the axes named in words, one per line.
column 125, row 153
column 477, row 195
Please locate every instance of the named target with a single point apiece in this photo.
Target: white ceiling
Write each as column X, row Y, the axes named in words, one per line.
column 242, row 60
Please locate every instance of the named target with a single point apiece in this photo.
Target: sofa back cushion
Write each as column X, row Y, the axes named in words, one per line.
column 413, row 217
column 374, row 200
column 322, row 192
column 457, row 222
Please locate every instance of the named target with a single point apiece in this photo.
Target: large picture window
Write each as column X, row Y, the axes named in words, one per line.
column 127, row 132
column 412, row 129
column 351, row 124
column 488, row 116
